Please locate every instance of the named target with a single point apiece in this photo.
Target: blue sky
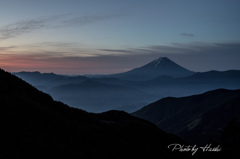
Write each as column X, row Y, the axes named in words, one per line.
column 110, row 36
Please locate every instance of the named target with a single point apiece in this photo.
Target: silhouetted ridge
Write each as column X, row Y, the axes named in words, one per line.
column 197, row 118
column 33, row 125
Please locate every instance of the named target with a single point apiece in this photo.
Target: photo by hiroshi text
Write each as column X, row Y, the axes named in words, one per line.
column 194, row 148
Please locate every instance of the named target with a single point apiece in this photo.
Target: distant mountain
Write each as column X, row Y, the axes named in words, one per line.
column 216, row 75
column 195, row 84
column 94, row 96
column 33, row 125
column 91, row 94
column 198, row 119
column 162, row 66
column 45, row 80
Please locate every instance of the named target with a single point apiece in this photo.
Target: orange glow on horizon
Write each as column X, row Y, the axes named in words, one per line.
column 44, row 64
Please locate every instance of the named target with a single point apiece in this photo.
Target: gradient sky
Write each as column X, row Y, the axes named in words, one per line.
column 111, row 36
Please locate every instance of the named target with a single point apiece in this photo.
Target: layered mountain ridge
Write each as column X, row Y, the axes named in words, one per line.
column 131, row 90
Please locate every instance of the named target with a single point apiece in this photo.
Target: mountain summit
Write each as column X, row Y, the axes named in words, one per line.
column 162, row 66
column 160, row 61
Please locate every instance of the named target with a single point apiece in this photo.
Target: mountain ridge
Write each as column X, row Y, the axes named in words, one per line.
column 197, row 118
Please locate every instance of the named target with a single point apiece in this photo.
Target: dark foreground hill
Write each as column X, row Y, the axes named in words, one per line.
column 212, row 117
column 33, row 125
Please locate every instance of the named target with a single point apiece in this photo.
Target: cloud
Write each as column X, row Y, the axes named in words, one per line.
column 175, row 48
column 187, row 34
column 7, row 48
column 49, row 22
column 50, row 49
column 118, row 51
column 83, row 20
column 26, row 26
column 200, row 48
column 19, row 28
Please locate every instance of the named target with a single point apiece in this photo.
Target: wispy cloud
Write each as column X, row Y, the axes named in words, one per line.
column 83, row 20
column 26, row 26
column 49, row 22
column 175, row 48
column 7, row 48
column 54, row 50
column 187, row 34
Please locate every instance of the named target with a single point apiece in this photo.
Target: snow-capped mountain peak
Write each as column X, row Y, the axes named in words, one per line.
column 160, row 61
column 162, row 66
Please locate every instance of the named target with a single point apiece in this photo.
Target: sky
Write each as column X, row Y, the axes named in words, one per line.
column 111, row 36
